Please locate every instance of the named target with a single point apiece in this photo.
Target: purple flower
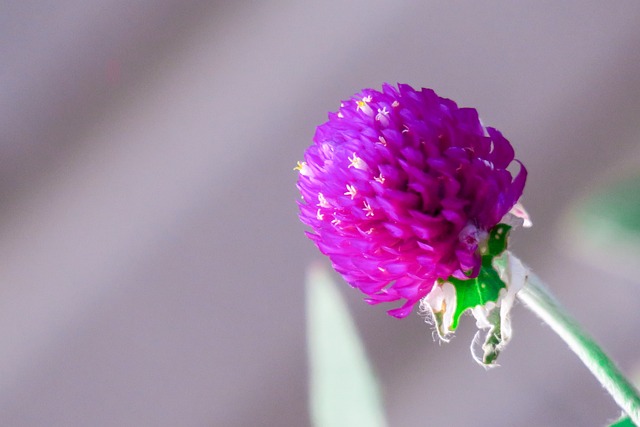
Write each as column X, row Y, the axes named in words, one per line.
column 400, row 189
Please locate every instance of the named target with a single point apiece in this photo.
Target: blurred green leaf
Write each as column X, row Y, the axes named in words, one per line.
column 605, row 226
column 617, row 204
column 343, row 388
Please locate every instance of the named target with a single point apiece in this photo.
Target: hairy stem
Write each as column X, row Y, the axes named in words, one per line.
column 538, row 299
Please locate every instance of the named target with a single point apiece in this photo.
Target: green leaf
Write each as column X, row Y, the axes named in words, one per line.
column 343, row 387
column 498, row 240
column 487, row 296
column 618, row 204
column 486, row 287
column 605, row 226
column 624, row 421
column 474, row 292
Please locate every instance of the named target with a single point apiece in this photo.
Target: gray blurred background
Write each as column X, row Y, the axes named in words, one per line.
column 151, row 260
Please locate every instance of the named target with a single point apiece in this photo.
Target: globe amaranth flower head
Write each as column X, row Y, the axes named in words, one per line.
column 400, row 189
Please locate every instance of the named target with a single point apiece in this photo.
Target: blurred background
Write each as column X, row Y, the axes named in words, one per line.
column 151, row 260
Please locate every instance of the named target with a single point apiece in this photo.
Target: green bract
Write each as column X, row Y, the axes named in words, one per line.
column 489, row 296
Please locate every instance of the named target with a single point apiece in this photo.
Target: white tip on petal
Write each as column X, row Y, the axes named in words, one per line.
column 441, row 303
column 519, row 212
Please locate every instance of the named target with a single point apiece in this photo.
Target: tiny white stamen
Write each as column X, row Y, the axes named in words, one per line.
column 351, row 191
column 382, row 140
column 380, row 178
column 335, row 221
column 363, row 105
column 319, row 215
column 357, row 162
column 303, row 168
column 340, row 115
column 368, row 209
column 395, row 104
column 383, row 116
column 406, row 129
column 322, row 202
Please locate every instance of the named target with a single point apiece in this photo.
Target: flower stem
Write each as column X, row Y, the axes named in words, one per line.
column 541, row 302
